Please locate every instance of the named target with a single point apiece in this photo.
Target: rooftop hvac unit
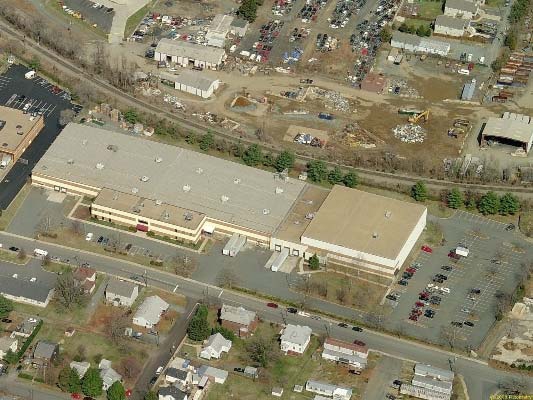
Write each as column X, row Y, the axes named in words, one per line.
column 266, row 211
column 375, row 235
column 158, row 159
column 136, row 210
column 279, row 190
column 115, row 196
column 166, row 215
column 388, row 214
column 224, row 198
column 186, row 188
column 15, row 276
column 33, row 279
column 199, row 171
column 310, row 216
column 158, row 202
column 188, row 216
column 70, row 161
column 112, row 147
column 144, row 178
column 134, row 190
column 84, row 142
column 99, row 166
column 237, row 181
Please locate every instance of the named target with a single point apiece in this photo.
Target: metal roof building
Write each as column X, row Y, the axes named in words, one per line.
column 468, row 90
column 434, row 372
column 461, row 8
column 165, row 189
column 218, row 30
column 513, row 131
column 185, row 53
column 193, row 82
column 414, row 43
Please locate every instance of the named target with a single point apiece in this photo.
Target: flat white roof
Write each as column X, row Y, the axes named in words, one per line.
column 221, row 189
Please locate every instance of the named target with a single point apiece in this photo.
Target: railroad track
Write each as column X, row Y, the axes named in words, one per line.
column 367, row 175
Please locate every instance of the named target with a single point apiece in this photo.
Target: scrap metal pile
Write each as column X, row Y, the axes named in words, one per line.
column 409, row 133
column 333, row 100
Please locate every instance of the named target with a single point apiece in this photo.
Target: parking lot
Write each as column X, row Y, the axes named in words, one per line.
column 462, row 290
column 39, row 96
column 93, row 12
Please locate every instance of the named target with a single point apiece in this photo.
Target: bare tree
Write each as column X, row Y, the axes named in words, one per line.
column 66, row 116
column 130, row 367
column 47, row 260
column 44, row 226
column 513, row 386
column 227, row 278
column 117, row 324
column 76, row 228
column 22, row 254
column 183, row 265
column 449, row 334
column 341, row 294
column 67, row 290
column 262, row 350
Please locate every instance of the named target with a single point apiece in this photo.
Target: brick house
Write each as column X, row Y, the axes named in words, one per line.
column 239, row 320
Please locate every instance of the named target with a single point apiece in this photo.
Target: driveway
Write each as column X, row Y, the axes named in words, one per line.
column 387, row 370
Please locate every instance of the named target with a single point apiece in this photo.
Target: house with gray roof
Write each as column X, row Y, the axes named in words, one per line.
column 26, row 328
column 215, row 346
column 461, row 9
column 121, row 293
column 295, row 339
column 328, row 390
column 179, row 376
column 44, row 353
column 31, row 284
column 450, row 26
column 434, row 372
column 108, row 374
column 81, row 367
column 238, row 320
column 149, row 312
column 171, row 393
column 215, row 374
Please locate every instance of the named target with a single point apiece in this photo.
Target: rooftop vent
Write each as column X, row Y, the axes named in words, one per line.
column 158, row 202
column 4, row 145
column 15, row 276
column 158, row 159
column 33, row 280
column 115, row 196
column 188, row 216
column 375, row 235
column 199, row 171
column 237, row 181
column 99, row 166
column 144, row 178
column 136, row 210
column 186, row 188
column 70, row 161
column 134, row 190
column 224, row 198
column 388, row 214
column 279, row 190
column 19, row 130
column 166, row 215
column 266, row 211
column 112, row 147
column 84, row 142
column 310, row 216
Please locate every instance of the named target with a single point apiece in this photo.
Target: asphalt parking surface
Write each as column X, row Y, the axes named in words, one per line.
column 487, row 240
column 38, row 94
column 94, row 15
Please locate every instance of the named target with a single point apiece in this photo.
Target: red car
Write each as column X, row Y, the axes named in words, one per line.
column 427, row 249
column 359, row 343
column 75, row 396
column 410, row 270
column 419, row 304
column 128, row 393
column 413, row 317
column 454, row 255
column 272, row 305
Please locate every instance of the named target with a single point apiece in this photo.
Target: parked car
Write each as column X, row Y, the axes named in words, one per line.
column 445, row 290
column 510, row 227
column 413, row 317
column 429, row 313
column 391, row 297
column 468, row 323
column 407, row 275
column 457, row 324
column 357, row 329
column 15, row 249
column 89, row 236
column 475, row 291
column 446, row 268
column 238, row 369
column 292, row 310
column 411, row 270
column 272, row 305
column 359, row 343
column 416, row 265
column 427, row 249
column 419, row 304
column 159, row 370
column 437, row 280
column 465, row 310
column 441, row 276
column 153, row 380
column 454, row 255
column 7, row 320
column 403, row 282
column 75, row 396
column 343, row 325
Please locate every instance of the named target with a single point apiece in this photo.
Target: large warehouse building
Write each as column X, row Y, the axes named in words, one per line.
column 512, row 129
column 185, row 53
column 183, row 194
column 17, row 131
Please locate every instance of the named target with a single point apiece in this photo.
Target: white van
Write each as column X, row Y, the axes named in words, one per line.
column 40, row 253
column 463, row 71
column 29, row 75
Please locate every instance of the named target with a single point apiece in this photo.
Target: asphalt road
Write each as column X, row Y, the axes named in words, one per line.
column 479, row 377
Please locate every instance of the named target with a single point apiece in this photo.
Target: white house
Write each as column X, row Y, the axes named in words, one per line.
column 108, row 374
column 121, row 293
column 346, row 353
column 171, row 393
column 450, row 26
column 326, row 389
column 7, row 343
column 295, row 338
column 80, row 367
column 461, row 9
column 149, row 312
column 215, row 346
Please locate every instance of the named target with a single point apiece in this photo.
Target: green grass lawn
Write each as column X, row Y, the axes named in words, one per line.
column 429, row 9
column 417, row 22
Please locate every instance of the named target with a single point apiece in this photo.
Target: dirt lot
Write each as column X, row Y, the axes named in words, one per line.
column 194, row 8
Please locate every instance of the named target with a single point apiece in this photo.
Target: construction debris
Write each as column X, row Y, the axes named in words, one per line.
column 354, row 136
column 333, row 100
column 409, row 133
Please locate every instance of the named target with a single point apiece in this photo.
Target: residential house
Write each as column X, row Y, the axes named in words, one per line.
column 149, row 312
column 7, row 343
column 30, row 285
column 295, row 339
column 108, row 374
column 433, row 384
column 182, row 377
column 80, row 367
column 85, row 277
column 238, row 320
column 214, row 374
column 171, row 393
column 434, row 372
column 44, row 353
column 346, row 353
column 215, row 346
column 461, row 9
column 26, row 328
column 450, row 26
column 329, row 390
column 121, row 293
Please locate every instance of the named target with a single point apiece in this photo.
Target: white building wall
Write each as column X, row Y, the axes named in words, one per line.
column 411, row 241
column 445, row 30
column 452, row 12
column 295, row 249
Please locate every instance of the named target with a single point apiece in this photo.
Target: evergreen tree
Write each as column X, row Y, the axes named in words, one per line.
column 350, row 179
column 455, row 198
column 151, row 396
column 419, row 191
column 92, row 383
column 509, row 204
column 207, row 141
column 131, row 116
column 269, row 160
column 285, row 160
column 317, row 171
column 252, row 156
column 489, row 204
column 116, row 392
column 6, row 306
column 314, row 262
column 198, row 329
column 335, row 176
column 248, row 10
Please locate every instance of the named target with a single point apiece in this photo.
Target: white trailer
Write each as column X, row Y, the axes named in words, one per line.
column 279, row 260
column 29, row 75
column 234, row 245
column 5, row 161
column 462, row 251
column 40, row 253
column 229, row 245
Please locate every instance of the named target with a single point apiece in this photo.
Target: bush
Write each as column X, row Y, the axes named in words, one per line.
column 314, row 262
column 228, row 334
column 419, row 191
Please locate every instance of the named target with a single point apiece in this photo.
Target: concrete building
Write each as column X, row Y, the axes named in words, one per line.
column 239, row 27
column 216, row 345
column 415, row 44
column 218, row 30
column 469, row 89
column 8, row 343
column 512, row 129
column 121, row 293
column 17, row 132
column 328, row 390
column 168, row 190
column 464, row 9
column 188, row 53
column 450, row 26
column 149, row 312
column 295, row 339
column 193, row 82
column 345, row 353
column 238, row 320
